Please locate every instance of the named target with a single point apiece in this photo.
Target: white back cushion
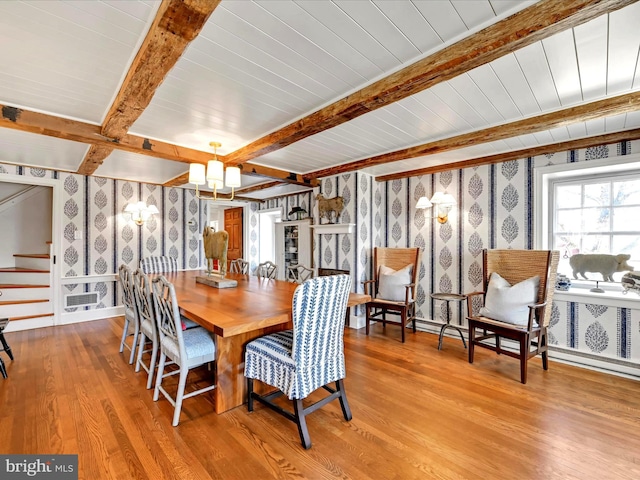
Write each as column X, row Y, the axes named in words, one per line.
column 510, row 303
column 391, row 283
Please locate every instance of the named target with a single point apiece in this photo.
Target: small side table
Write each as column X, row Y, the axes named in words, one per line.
column 449, row 297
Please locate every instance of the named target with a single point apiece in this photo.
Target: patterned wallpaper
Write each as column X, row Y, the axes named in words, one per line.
column 495, row 210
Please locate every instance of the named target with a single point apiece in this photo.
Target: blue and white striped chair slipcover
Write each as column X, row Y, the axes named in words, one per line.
column 131, row 319
column 159, row 264
column 188, row 349
column 310, row 356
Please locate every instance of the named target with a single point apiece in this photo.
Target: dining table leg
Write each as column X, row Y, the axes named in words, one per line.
column 231, row 386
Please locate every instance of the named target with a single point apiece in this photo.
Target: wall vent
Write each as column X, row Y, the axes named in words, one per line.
column 80, row 299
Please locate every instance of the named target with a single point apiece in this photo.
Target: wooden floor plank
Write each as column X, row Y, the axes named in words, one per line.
column 417, row 413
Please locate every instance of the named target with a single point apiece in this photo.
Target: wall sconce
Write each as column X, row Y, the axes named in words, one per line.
column 444, row 202
column 140, row 212
column 214, row 175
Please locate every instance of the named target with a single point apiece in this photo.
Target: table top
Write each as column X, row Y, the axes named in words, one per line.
column 448, row 296
column 255, row 303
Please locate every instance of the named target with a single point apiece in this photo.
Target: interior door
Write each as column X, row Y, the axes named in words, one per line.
column 233, row 226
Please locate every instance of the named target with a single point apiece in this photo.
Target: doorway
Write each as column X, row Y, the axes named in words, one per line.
column 30, row 285
column 268, row 219
column 233, row 222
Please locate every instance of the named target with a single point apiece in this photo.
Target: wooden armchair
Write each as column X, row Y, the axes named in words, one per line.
column 517, row 267
column 393, row 290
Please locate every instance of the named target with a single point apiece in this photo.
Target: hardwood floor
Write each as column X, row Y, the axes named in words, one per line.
column 417, row 413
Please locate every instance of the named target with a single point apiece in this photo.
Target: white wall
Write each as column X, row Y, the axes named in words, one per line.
column 26, row 227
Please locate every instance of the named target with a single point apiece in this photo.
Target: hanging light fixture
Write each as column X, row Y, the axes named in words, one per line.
column 214, row 175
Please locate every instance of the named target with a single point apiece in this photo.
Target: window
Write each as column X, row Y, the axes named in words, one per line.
column 589, row 207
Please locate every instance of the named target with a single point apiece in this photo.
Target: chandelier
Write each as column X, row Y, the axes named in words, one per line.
column 214, row 176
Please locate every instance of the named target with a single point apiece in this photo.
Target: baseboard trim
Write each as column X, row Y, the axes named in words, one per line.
column 68, row 318
column 613, row 366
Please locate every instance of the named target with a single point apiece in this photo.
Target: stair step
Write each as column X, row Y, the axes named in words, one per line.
column 20, row 285
column 20, row 302
column 32, row 255
column 13, row 319
column 22, row 270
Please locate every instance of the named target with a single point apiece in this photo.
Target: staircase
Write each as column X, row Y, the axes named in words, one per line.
column 25, row 292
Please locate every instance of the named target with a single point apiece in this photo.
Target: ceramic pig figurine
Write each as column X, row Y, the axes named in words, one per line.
column 601, row 263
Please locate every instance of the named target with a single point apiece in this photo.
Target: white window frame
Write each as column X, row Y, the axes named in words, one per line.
column 543, row 179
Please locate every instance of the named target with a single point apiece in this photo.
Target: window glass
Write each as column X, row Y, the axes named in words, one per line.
column 626, row 192
column 596, row 194
column 595, row 215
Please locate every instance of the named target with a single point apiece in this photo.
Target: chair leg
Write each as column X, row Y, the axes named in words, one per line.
column 3, row 370
column 5, row 345
column 125, row 331
column 250, row 394
column 152, row 365
column 156, row 391
column 344, row 404
column 542, row 342
column 403, row 323
column 143, row 340
column 180, row 395
column 368, row 317
column 134, row 343
column 472, row 337
column 524, row 357
column 301, row 421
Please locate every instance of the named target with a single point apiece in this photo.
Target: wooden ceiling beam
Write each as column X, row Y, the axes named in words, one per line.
column 176, row 24
column 599, row 109
column 258, row 188
column 67, row 129
column 74, row 130
column 530, row 25
column 177, row 181
column 276, row 174
column 607, row 138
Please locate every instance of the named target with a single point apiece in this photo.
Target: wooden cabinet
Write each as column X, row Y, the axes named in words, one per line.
column 293, row 245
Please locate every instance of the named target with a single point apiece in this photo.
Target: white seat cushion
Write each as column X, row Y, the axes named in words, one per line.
column 198, row 345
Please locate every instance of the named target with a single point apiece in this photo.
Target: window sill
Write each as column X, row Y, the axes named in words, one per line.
column 610, row 298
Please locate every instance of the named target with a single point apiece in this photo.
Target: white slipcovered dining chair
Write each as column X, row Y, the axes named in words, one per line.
column 131, row 320
column 188, row 349
column 309, row 357
column 267, row 270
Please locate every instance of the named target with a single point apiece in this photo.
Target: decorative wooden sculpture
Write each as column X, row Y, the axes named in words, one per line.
column 330, row 208
column 215, row 248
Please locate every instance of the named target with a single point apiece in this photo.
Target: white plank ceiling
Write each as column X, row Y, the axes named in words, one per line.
column 257, row 66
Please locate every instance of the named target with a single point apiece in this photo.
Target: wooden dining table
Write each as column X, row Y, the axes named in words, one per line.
column 237, row 315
